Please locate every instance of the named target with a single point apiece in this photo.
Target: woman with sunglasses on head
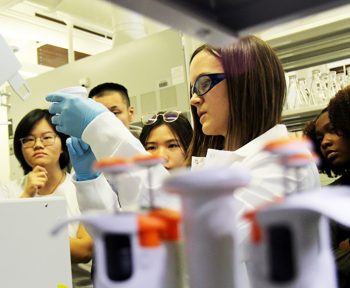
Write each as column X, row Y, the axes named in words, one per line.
column 43, row 155
column 168, row 135
column 237, row 95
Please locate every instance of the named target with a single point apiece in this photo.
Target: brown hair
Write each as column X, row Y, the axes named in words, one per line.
column 256, row 91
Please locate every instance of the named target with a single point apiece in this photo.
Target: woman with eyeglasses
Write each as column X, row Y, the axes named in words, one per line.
column 168, row 135
column 43, row 155
column 237, row 95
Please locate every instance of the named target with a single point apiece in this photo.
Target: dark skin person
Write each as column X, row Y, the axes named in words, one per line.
column 334, row 147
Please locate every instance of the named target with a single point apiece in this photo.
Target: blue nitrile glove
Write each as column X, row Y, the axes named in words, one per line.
column 82, row 159
column 73, row 113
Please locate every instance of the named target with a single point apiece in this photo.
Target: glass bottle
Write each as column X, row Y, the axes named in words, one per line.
column 333, row 86
column 303, row 93
column 325, row 85
column 341, row 80
column 317, row 91
column 291, row 93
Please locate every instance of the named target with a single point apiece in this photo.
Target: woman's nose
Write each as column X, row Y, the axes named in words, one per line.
column 195, row 100
column 161, row 152
column 326, row 142
column 38, row 143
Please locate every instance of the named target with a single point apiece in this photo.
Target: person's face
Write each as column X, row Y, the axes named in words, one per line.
column 212, row 107
column 335, row 148
column 39, row 154
column 163, row 143
column 115, row 103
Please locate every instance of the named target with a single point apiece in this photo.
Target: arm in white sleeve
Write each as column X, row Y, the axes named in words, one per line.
column 108, row 136
column 96, row 194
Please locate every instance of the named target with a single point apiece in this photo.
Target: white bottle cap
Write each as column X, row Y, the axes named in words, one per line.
column 75, row 90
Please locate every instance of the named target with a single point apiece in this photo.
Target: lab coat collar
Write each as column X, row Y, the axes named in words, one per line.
column 253, row 147
column 257, row 144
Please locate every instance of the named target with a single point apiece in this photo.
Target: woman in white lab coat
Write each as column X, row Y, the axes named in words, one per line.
column 43, row 155
column 237, row 95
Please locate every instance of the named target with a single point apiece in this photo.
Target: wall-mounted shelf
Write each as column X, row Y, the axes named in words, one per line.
column 315, row 46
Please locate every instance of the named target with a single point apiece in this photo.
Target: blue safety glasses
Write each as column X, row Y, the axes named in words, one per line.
column 206, row 82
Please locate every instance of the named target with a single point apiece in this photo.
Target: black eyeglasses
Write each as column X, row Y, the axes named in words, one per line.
column 206, row 82
column 47, row 139
column 169, row 116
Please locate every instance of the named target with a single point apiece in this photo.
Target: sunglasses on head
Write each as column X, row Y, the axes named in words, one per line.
column 206, row 82
column 169, row 116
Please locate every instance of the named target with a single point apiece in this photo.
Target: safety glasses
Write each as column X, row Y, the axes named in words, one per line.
column 206, row 82
column 169, row 116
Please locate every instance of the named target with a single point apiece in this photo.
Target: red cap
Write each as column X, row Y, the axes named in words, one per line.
column 172, row 220
column 151, row 230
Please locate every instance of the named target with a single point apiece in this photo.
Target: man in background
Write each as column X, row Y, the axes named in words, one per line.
column 115, row 97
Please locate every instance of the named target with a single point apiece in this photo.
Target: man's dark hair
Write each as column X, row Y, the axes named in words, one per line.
column 104, row 88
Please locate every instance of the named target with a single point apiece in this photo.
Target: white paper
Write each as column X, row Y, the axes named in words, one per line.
column 177, row 75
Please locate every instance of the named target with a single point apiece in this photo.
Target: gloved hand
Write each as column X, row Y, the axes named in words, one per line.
column 73, row 113
column 82, row 159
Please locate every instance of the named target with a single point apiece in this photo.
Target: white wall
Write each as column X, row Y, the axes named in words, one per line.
column 139, row 65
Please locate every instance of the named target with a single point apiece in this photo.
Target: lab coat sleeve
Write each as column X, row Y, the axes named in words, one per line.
column 95, row 194
column 108, row 136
